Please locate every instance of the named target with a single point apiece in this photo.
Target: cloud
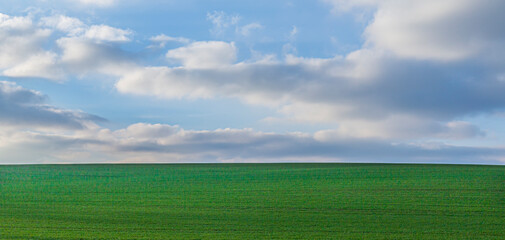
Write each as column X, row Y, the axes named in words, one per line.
column 43, row 64
column 162, row 40
column 21, row 107
column 246, row 30
column 199, row 55
column 143, row 142
column 84, row 49
column 449, row 30
column 346, row 5
column 72, row 26
column 418, row 65
column 293, row 33
column 221, row 21
column 83, row 56
column 107, row 33
column 56, row 135
column 76, row 28
column 22, row 54
column 371, row 88
column 387, row 99
column 98, row 3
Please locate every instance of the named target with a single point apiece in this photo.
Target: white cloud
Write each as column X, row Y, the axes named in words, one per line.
column 394, row 127
column 99, row 3
column 162, row 39
column 43, row 64
column 21, row 54
column 367, row 93
column 72, row 26
column 246, row 30
column 86, row 49
column 199, row 55
column 107, row 33
column 221, row 21
column 83, row 56
column 447, row 30
column 370, row 93
column 19, row 23
column 346, row 5
column 76, row 28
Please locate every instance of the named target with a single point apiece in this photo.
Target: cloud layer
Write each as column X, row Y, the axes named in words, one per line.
column 424, row 67
column 165, row 143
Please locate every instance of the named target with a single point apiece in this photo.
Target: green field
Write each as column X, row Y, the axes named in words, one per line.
column 252, row 201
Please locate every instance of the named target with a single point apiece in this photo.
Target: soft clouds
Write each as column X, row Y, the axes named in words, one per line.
column 369, row 93
column 25, row 108
column 81, row 56
column 249, row 28
column 72, row 26
column 165, row 143
column 98, row 3
column 200, row 55
column 76, row 28
column 221, row 21
column 163, row 39
column 64, row 136
column 107, row 33
column 25, row 50
column 418, row 66
column 21, row 54
column 379, row 92
column 43, row 64
column 434, row 30
column 425, row 67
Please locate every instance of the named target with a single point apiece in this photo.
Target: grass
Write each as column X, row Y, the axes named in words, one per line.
column 252, row 201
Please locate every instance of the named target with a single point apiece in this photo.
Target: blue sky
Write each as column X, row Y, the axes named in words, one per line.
column 252, row 81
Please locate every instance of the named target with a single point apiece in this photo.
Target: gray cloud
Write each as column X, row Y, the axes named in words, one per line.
column 364, row 86
column 27, row 108
column 165, row 143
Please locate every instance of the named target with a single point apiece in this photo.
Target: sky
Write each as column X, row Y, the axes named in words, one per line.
column 165, row 81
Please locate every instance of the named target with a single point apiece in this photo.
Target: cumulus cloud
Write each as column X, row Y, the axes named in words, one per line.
column 72, row 26
column 83, row 48
column 418, row 65
column 434, row 30
column 417, row 76
column 366, row 87
column 212, row 54
column 43, row 64
column 76, row 28
column 22, row 54
column 107, row 33
column 82, row 56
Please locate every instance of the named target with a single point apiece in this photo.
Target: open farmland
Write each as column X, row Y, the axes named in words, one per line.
column 252, row 201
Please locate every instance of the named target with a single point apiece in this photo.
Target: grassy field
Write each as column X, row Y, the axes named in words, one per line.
column 252, row 201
